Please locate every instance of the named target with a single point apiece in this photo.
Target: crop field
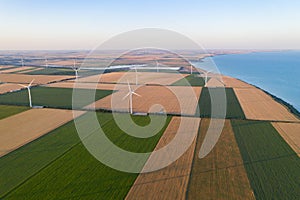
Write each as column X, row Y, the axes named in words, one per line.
column 258, row 105
column 170, row 182
column 143, row 78
column 25, row 79
column 234, row 110
column 235, row 83
column 221, row 174
column 290, row 133
column 190, row 80
column 6, row 111
column 15, row 69
column 98, row 86
column 8, row 87
column 31, row 124
column 49, row 97
column 19, row 165
column 215, row 82
column 86, row 177
column 272, row 166
column 185, row 102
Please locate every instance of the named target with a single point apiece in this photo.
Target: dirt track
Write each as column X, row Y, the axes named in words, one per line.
column 170, row 182
column 19, row 129
column 259, row 106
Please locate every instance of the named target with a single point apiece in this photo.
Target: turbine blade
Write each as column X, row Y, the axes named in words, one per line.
column 126, row 95
column 30, row 83
column 24, row 86
column 136, row 94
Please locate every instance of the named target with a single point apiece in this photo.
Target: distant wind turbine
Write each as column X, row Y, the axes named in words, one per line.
column 46, row 61
column 130, row 93
column 29, row 93
column 206, row 74
column 76, row 69
column 191, row 69
column 22, row 61
column 157, row 70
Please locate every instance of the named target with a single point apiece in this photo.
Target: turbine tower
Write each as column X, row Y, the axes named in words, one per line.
column 29, row 93
column 76, row 69
column 206, row 74
column 22, row 61
column 157, row 70
column 130, row 93
column 191, row 69
column 46, row 62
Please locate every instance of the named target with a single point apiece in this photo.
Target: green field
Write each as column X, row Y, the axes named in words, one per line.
column 273, row 168
column 57, row 166
column 50, row 97
column 234, row 110
column 6, row 111
column 63, row 72
column 52, row 71
column 191, row 80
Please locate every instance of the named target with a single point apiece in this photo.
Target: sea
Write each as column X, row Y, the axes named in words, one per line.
column 277, row 72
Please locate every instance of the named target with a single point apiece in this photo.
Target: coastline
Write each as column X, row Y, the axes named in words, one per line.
column 291, row 108
column 287, row 105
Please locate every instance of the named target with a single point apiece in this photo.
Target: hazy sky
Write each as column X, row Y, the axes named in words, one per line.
column 59, row 24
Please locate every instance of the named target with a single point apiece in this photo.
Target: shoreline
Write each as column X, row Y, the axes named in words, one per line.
column 279, row 100
column 287, row 105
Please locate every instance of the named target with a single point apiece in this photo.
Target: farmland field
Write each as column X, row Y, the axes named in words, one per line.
column 234, row 110
column 49, row 97
column 191, row 80
column 170, row 182
column 6, row 111
column 221, row 174
column 76, row 173
column 258, row 105
column 273, row 168
column 19, row 165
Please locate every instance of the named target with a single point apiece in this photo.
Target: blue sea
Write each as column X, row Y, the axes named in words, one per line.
column 276, row 72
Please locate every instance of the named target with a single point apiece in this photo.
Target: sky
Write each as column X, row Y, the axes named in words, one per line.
column 214, row 24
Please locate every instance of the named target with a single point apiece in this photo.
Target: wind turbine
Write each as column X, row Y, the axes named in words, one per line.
column 29, row 93
column 130, row 93
column 157, row 70
column 191, row 69
column 206, row 73
column 22, row 61
column 76, row 69
column 46, row 62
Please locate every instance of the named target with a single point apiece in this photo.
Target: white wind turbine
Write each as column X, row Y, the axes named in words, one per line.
column 22, row 61
column 206, row 74
column 130, row 93
column 46, row 61
column 29, row 93
column 76, row 69
column 191, row 69
column 157, row 70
